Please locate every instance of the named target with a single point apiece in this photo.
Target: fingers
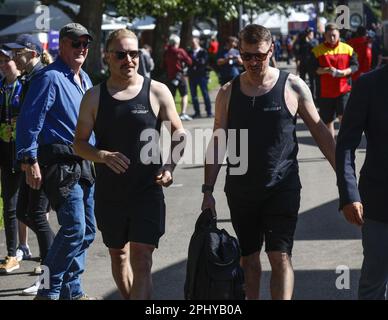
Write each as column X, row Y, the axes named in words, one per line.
column 358, row 215
column 117, row 162
column 164, row 179
column 34, row 180
column 354, row 214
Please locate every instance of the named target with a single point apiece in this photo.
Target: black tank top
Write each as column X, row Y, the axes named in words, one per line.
column 272, row 142
column 118, row 128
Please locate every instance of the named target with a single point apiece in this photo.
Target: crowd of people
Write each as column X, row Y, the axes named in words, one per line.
column 77, row 149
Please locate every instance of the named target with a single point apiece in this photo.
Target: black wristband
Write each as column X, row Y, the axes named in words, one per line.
column 30, row 161
column 206, row 187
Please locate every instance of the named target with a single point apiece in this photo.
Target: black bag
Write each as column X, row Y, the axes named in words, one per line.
column 213, row 265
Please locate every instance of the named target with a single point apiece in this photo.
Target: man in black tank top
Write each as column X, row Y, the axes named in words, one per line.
column 263, row 200
column 129, row 201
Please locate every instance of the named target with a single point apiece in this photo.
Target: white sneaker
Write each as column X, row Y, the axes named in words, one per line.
column 23, row 253
column 31, row 291
column 185, row 117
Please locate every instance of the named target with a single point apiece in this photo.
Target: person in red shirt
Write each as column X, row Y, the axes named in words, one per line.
column 362, row 44
column 175, row 61
column 335, row 63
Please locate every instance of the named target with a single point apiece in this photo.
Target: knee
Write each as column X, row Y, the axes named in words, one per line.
column 279, row 260
column 141, row 261
column 251, row 263
column 119, row 256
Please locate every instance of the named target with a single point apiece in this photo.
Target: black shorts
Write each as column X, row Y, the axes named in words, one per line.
column 180, row 84
column 266, row 215
column 329, row 108
column 142, row 221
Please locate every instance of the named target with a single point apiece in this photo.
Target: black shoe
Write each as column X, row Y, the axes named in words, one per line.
column 196, row 116
column 210, row 115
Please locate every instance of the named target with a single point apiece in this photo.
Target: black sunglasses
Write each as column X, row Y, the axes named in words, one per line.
column 120, row 55
column 77, row 44
column 259, row 56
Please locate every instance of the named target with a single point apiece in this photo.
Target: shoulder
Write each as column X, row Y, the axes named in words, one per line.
column 93, row 93
column 160, row 91
column 319, row 49
column 157, row 87
column 344, row 48
column 298, row 86
column 224, row 93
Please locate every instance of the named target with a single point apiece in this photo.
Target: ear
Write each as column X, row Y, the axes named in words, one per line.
column 106, row 58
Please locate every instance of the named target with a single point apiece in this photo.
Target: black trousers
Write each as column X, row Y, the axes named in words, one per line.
column 10, row 183
column 32, row 207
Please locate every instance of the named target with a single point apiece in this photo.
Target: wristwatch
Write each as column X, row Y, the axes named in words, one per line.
column 29, row 160
column 206, row 188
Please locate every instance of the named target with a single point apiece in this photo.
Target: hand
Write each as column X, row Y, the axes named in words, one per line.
column 164, row 176
column 337, row 73
column 209, row 203
column 115, row 161
column 33, row 176
column 354, row 213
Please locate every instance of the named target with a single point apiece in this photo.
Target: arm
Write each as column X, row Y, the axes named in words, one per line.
column 85, row 124
column 353, row 67
column 310, row 116
column 212, row 168
column 162, row 97
column 349, row 137
column 38, row 101
column 186, row 57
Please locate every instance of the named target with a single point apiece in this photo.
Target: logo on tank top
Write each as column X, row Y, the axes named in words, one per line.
column 273, row 106
column 139, row 109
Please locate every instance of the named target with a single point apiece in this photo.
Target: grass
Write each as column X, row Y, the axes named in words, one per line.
column 212, row 85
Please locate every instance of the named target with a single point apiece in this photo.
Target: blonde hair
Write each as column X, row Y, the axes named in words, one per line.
column 46, row 58
column 119, row 34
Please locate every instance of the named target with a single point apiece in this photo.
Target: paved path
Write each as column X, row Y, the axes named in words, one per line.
column 323, row 238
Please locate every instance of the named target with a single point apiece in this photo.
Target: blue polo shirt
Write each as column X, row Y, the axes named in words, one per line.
column 50, row 109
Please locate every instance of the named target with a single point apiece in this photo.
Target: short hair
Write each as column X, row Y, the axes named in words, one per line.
column 331, row 26
column 119, row 34
column 255, row 33
column 174, row 39
column 361, row 31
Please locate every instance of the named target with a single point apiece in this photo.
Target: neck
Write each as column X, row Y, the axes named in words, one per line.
column 257, row 80
column 76, row 67
column 31, row 64
column 121, row 83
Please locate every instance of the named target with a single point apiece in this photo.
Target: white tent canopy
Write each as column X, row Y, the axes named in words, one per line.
column 57, row 19
column 278, row 21
column 146, row 23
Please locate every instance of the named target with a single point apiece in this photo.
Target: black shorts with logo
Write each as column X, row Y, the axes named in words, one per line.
column 329, row 108
column 141, row 220
column 269, row 216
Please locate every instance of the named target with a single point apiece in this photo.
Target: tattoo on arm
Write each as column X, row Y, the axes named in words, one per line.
column 302, row 90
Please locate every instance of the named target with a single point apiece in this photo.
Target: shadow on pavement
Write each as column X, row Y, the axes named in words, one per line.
column 325, row 223
column 309, row 285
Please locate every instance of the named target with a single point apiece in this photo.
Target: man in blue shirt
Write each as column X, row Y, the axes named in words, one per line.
column 228, row 61
column 45, row 133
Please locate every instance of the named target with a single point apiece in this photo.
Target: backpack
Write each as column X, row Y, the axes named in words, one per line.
column 213, row 265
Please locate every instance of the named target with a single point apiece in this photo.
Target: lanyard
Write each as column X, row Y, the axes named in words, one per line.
column 8, row 96
column 7, row 99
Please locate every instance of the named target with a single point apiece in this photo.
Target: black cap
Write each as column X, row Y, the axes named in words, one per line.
column 26, row 41
column 74, row 31
column 309, row 29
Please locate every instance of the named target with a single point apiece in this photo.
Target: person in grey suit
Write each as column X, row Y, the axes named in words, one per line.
column 365, row 205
